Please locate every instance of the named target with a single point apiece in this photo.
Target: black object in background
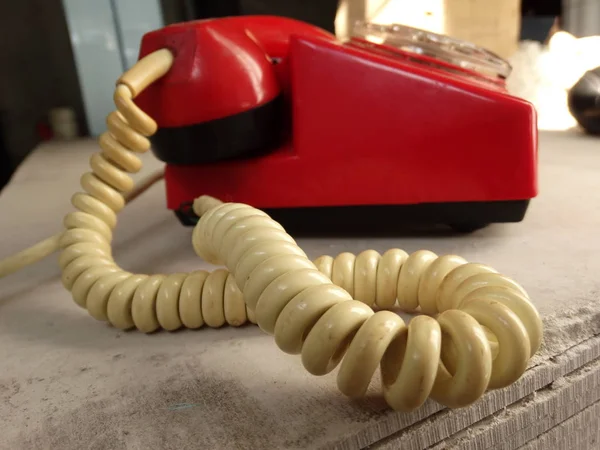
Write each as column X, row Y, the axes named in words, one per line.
column 538, row 18
column 584, row 101
column 6, row 165
column 320, row 13
column 541, row 8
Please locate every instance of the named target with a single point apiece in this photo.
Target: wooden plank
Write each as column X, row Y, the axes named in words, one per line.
column 495, row 25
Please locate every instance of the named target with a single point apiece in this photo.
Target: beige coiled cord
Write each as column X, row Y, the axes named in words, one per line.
column 475, row 329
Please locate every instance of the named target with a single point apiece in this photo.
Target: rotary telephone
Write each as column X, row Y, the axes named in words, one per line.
column 280, row 115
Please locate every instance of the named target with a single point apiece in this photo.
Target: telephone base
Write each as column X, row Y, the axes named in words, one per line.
column 462, row 217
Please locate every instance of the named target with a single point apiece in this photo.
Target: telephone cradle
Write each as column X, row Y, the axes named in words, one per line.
column 394, row 124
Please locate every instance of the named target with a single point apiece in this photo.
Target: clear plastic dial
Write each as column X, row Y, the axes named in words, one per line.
column 443, row 48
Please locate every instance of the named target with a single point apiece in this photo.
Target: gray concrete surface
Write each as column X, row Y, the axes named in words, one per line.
column 68, row 381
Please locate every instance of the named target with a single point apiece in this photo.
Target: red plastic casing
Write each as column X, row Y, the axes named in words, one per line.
column 369, row 127
column 221, row 67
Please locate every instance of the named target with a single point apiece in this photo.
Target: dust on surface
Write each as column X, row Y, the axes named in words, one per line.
column 196, row 407
column 567, row 328
column 8, row 389
column 206, row 412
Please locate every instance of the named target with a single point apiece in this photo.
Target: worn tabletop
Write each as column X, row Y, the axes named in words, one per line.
column 68, row 381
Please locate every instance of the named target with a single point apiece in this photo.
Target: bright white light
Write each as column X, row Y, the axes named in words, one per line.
column 543, row 75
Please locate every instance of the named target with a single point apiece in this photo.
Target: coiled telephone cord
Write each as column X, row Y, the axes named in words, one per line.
column 475, row 330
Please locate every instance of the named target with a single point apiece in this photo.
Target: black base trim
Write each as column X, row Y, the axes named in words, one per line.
column 251, row 133
column 463, row 217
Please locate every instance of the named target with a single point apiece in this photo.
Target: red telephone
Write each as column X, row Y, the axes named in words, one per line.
column 395, row 122
column 279, row 114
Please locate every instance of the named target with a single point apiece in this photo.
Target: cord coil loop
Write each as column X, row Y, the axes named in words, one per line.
column 333, row 311
column 476, row 329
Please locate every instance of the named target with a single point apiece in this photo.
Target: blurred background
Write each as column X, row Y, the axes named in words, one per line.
column 60, row 59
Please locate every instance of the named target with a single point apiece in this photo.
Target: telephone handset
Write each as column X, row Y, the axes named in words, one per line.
column 226, row 88
column 476, row 329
